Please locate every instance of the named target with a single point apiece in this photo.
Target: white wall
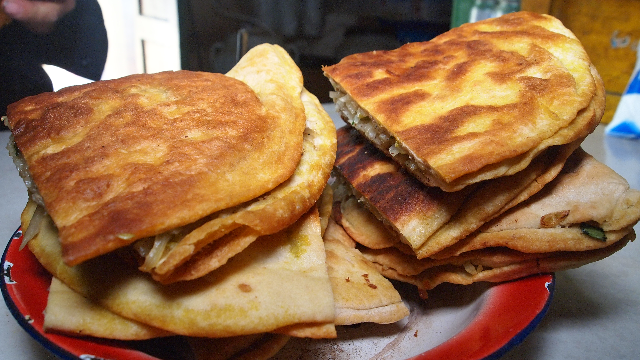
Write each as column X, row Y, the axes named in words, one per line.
column 119, row 17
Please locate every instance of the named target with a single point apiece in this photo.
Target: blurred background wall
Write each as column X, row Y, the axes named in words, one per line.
column 209, row 35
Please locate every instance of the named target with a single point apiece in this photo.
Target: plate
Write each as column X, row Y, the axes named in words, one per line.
column 479, row 321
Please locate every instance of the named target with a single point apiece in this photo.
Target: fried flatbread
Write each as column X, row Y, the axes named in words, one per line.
column 586, row 196
column 325, row 206
column 279, row 281
column 124, row 159
column 585, row 214
column 478, row 102
column 426, row 218
column 228, row 232
column 71, row 313
column 361, row 224
column 490, row 265
column 361, row 293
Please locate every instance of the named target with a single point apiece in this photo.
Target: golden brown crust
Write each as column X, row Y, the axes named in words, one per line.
column 544, row 233
column 267, row 214
column 428, row 218
column 477, row 101
column 123, row 159
column 363, row 226
column 405, row 203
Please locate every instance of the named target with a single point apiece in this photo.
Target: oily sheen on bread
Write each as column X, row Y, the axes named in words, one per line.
column 475, row 103
column 119, row 160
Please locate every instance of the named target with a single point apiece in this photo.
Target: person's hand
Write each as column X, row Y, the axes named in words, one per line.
column 38, row 16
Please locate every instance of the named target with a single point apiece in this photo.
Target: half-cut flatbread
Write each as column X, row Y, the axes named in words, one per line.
column 427, row 218
column 228, row 232
column 490, row 265
column 279, row 281
column 361, row 293
column 586, row 196
column 119, row 160
column 475, row 103
column 71, row 313
column 585, row 214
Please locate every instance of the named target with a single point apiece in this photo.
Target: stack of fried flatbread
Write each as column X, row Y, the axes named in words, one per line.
column 176, row 163
column 195, row 204
column 185, row 203
column 462, row 158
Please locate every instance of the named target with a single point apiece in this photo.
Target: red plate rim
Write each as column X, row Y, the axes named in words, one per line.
column 25, row 290
column 511, row 312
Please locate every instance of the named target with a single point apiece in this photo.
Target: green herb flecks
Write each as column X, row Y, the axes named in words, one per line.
column 593, row 231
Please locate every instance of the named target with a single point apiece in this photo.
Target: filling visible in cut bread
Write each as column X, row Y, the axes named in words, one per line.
column 23, row 170
column 151, row 248
column 360, row 119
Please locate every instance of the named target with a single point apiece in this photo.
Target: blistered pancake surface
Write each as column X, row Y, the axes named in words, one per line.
column 479, row 95
column 124, row 159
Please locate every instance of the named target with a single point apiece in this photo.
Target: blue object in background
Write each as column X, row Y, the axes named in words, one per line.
column 626, row 120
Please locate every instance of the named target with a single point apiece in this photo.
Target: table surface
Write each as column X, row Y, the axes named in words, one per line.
column 594, row 314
